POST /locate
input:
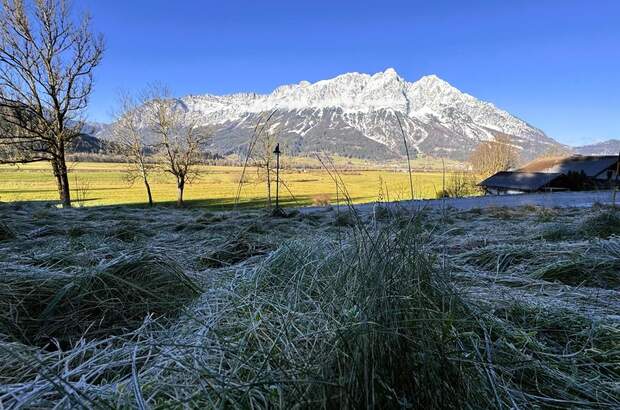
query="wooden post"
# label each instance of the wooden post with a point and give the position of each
(277, 152)
(616, 182)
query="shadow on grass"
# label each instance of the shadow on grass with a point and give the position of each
(214, 204)
(49, 191)
(228, 204)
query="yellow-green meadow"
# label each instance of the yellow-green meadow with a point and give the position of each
(95, 183)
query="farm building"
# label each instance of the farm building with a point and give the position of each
(574, 173)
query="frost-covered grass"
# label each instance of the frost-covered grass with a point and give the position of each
(157, 308)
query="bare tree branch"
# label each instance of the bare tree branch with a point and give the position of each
(131, 141)
(46, 76)
(491, 157)
(179, 143)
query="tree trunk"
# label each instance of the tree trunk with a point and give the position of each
(62, 178)
(181, 187)
(65, 197)
(146, 183)
(148, 191)
(58, 178)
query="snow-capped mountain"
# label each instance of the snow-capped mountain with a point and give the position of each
(356, 115)
(608, 147)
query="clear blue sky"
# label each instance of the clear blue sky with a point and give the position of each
(555, 64)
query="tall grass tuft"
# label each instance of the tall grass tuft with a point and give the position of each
(46, 308)
(237, 249)
(6, 232)
(390, 324)
(602, 224)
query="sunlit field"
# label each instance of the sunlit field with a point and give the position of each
(106, 184)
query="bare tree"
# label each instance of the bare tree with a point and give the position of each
(264, 159)
(46, 77)
(178, 140)
(491, 157)
(131, 141)
(459, 184)
(555, 151)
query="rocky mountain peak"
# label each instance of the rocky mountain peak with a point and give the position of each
(354, 114)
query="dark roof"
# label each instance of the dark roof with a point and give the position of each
(520, 181)
(591, 165)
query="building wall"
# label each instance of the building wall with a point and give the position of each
(502, 191)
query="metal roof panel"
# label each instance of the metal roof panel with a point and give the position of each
(590, 165)
(522, 181)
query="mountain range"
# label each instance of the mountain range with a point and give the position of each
(358, 115)
(608, 147)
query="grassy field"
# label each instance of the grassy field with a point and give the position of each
(105, 184)
(124, 307)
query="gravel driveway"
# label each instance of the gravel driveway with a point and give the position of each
(547, 200)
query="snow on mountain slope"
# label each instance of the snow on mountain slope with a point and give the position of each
(608, 147)
(356, 114)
